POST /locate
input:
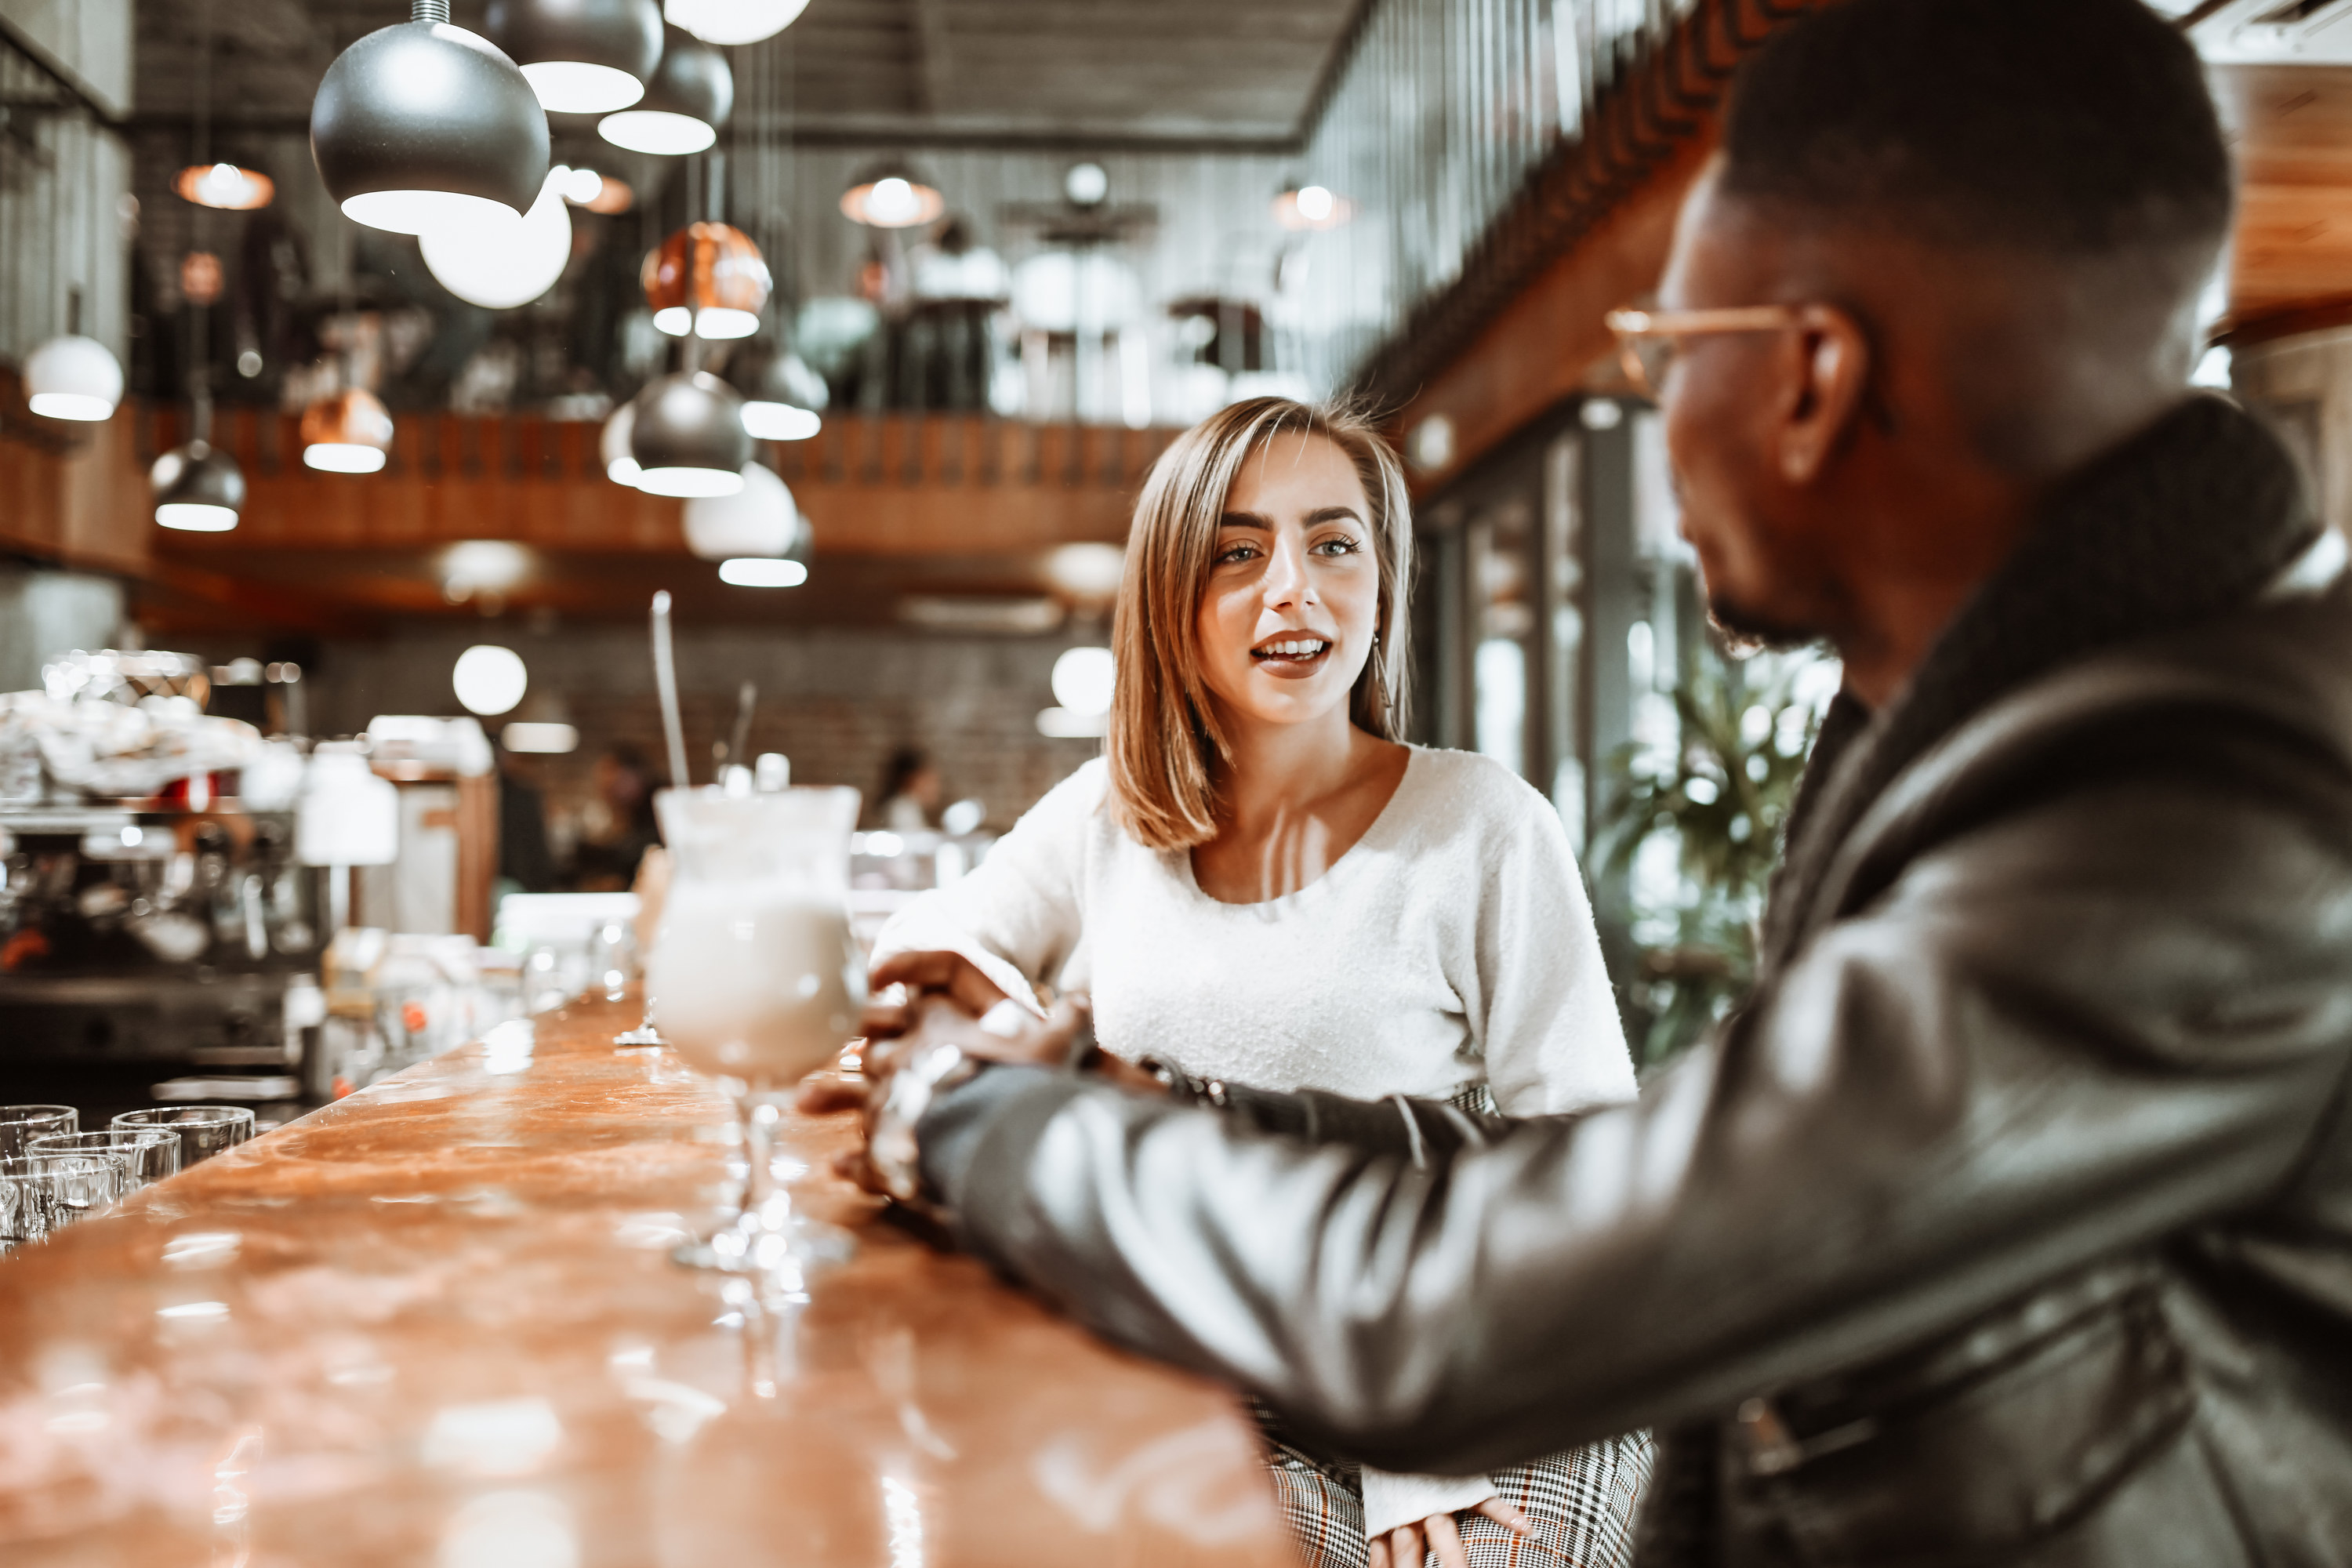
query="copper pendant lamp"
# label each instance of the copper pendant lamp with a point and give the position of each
(349, 433)
(706, 281)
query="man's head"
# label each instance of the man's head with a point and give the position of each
(1995, 218)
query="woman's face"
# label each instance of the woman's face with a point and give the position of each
(1293, 599)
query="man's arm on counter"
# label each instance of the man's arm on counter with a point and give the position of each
(2008, 1068)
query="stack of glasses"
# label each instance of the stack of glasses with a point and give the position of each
(52, 1174)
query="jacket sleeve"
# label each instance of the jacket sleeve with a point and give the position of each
(2059, 1035)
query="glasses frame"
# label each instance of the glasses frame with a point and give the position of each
(1633, 324)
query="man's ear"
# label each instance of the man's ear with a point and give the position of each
(1827, 364)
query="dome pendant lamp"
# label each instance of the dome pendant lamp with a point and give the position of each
(580, 56)
(71, 376)
(734, 21)
(689, 97)
(786, 400)
(349, 433)
(687, 437)
(706, 281)
(198, 487)
(422, 124)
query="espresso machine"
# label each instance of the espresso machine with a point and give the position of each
(159, 938)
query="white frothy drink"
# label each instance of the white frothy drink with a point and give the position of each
(755, 983)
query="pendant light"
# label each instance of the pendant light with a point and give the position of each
(223, 187)
(687, 437)
(71, 376)
(689, 97)
(758, 520)
(613, 445)
(1311, 209)
(349, 433)
(423, 124)
(502, 261)
(890, 194)
(580, 56)
(785, 400)
(198, 487)
(706, 281)
(734, 21)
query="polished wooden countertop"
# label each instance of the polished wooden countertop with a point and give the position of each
(437, 1323)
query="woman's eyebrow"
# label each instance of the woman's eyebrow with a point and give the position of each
(1333, 514)
(1244, 519)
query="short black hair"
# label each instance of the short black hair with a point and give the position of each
(2070, 128)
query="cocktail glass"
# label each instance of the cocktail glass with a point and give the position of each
(147, 1153)
(20, 1124)
(759, 982)
(205, 1131)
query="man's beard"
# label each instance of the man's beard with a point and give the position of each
(1745, 631)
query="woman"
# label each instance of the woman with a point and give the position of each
(1261, 884)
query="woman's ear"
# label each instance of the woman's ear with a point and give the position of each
(1826, 367)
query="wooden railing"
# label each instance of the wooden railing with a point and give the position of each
(889, 485)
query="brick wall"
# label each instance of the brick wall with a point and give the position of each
(837, 703)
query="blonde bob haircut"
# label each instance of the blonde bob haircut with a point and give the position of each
(1165, 747)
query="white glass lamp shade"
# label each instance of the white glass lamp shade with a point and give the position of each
(689, 97)
(1083, 679)
(688, 437)
(73, 377)
(198, 489)
(762, 572)
(423, 124)
(612, 447)
(505, 260)
(580, 56)
(345, 816)
(730, 21)
(489, 680)
(758, 520)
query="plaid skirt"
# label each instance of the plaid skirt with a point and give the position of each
(1582, 1502)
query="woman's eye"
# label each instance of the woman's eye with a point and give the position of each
(1340, 546)
(1233, 552)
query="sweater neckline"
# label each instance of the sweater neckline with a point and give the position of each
(1313, 891)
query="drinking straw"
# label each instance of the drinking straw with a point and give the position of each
(665, 680)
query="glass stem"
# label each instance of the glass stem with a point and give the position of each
(760, 1117)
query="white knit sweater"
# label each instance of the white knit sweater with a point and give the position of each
(1452, 944)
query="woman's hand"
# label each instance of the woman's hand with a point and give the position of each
(1407, 1545)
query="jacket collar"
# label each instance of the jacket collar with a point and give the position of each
(2201, 513)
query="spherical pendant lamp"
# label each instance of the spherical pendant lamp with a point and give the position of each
(73, 377)
(423, 124)
(349, 433)
(734, 21)
(758, 520)
(785, 400)
(687, 437)
(198, 489)
(689, 97)
(706, 281)
(503, 260)
(613, 445)
(580, 56)
(223, 186)
(890, 194)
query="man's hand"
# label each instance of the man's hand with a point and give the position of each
(946, 1000)
(1404, 1547)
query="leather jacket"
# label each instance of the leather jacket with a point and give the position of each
(2009, 1223)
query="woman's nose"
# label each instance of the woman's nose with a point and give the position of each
(1286, 580)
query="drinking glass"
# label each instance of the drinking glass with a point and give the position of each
(148, 1154)
(20, 1124)
(204, 1130)
(759, 982)
(56, 1192)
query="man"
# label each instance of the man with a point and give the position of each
(2010, 1221)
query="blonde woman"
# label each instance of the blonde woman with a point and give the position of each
(1262, 884)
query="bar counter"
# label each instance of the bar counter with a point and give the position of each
(437, 1323)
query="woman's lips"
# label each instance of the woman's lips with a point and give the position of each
(1291, 659)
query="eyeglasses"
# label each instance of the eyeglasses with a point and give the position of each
(1649, 340)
